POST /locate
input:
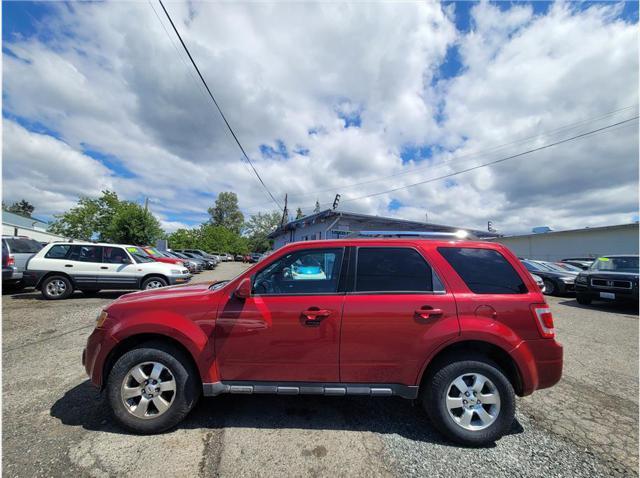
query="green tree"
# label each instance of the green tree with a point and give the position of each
(107, 218)
(299, 214)
(22, 207)
(184, 239)
(226, 212)
(131, 224)
(259, 227)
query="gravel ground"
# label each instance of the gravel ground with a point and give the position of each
(55, 423)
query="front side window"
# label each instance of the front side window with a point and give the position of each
(484, 271)
(115, 255)
(85, 254)
(313, 271)
(397, 269)
(58, 251)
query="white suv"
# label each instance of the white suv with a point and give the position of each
(61, 267)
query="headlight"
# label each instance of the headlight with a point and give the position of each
(568, 280)
(581, 279)
(175, 271)
(102, 316)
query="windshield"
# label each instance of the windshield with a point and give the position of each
(552, 267)
(616, 264)
(152, 251)
(139, 255)
(569, 267)
(533, 266)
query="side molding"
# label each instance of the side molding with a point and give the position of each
(310, 388)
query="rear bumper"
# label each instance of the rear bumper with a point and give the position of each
(10, 274)
(540, 362)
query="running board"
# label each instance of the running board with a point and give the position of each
(311, 388)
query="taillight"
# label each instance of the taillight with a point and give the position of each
(544, 320)
(11, 261)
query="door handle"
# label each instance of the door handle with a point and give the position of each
(68, 265)
(104, 267)
(314, 315)
(428, 312)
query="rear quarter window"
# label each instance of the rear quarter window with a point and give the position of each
(23, 246)
(484, 271)
(58, 252)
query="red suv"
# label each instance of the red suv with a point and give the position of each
(460, 326)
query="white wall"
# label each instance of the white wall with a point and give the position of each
(554, 246)
(37, 234)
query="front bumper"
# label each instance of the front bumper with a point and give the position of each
(181, 279)
(95, 354)
(620, 295)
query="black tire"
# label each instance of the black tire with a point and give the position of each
(434, 401)
(152, 279)
(550, 287)
(48, 289)
(583, 299)
(187, 387)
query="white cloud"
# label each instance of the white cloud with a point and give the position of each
(107, 76)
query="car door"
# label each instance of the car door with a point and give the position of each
(288, 329)
(82, 263)
(397, 312)
(117, 270)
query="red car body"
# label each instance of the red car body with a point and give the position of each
(153, 254)
(369, 338)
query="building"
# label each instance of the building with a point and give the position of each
(332, 224)
(16, 225)
(586, 242)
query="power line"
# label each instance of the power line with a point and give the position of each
(468, 155)
(501, 160)
(217, 106)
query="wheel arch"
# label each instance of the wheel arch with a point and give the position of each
(133, 341)
(54, 273)
(475, 348)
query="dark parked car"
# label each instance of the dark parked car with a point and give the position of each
(10, 274)
(610, 278)
(19, 249)
(557, 281)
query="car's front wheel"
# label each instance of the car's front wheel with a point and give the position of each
(471, 402)
(152, 387)
(550, 287)
(154, 283)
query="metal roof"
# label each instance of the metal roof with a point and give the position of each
(23, 221)
(582, 229)
(378, 222)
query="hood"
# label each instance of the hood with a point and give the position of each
(610, 274)
(172, 292)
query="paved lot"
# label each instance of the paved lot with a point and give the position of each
(55, 423)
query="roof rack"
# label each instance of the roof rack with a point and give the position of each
(461, 234)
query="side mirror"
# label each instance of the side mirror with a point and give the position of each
(244, 289)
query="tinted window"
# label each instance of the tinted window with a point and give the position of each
(314, 271)
(114, 255)
(385, 269)
(23, 246)
(85, 254)
(485, 271)
(58, 252)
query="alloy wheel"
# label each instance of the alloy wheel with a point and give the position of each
(148, 390)
(473, 401)
(56, 287)
(154, 284)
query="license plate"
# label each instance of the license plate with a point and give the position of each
(607, 295)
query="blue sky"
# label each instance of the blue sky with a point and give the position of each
(386, 100)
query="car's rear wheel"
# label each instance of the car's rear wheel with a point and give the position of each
(154, 283)
(152, 388)
(583, 299)
(550, 287)
(56, 288)
(471, 402)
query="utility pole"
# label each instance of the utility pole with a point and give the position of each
(336, 201)
(285, 212)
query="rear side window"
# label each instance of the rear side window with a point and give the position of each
(23, 246)
(485, 271)
(85, 254)
(58, 252)
(387, 269)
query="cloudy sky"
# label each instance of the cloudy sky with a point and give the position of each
(358, 99)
